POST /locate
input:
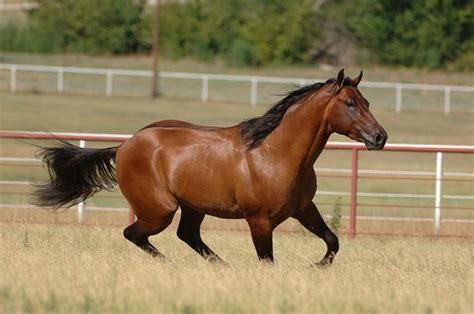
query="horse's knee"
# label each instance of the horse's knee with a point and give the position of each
(189, 238)
(131, 233)
(134, 234)
(185, 235)
(182, 234)
(331, 241)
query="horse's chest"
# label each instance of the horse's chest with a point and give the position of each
(286, 199)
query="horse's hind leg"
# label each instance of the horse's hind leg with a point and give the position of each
(311, 219)
(189, 230)
(139, 231)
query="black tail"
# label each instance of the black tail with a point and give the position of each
(75, 174)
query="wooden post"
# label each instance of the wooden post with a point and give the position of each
(155, 49)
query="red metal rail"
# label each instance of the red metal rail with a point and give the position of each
(331, 145)
(354, 147)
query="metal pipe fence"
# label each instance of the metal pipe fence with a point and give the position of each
(253, 81)
(354, 174)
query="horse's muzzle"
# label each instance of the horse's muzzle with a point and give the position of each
(376, 140)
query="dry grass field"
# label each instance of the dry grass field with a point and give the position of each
(51, 264)
(50, 268)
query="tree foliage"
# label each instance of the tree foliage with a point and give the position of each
(86, 26)
(108, 26)
(422, 33)
(425, 33)
(241, 31)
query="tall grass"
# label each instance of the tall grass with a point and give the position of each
(84, 269)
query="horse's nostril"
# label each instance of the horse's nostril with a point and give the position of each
(379, 138)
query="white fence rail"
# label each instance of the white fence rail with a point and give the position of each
(109, 74)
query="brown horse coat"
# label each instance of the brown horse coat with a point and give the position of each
(260, 170)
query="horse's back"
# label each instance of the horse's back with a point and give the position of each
(179, 140)
(180, 124)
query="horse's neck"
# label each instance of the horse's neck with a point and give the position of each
(302, 134)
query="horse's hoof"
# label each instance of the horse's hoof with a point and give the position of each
(322, 264)
(219, 262)
(216, 260)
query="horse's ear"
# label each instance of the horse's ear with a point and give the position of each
(340, 78)
(357, 80)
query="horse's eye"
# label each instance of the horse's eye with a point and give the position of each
(350, 103)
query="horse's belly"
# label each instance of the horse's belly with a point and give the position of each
(211, 204)
(232, 212)
(209, 195)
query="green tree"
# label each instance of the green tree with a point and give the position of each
(108, 26)
(427, 33)
(241, 31)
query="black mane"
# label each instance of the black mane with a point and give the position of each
(255, 130)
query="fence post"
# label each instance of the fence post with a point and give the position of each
(253, 91)
(398, 99)
(205, 88)
(81, 205)
(60, 80)
(108, 90)
(447, 100)
(437, 213)
(131, 216)
(352, 219)
(13, 79)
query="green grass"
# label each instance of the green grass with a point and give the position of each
(50, 268)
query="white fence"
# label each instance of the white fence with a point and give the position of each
(204, 78)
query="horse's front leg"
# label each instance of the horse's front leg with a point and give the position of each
(262, 236)
(311, 219)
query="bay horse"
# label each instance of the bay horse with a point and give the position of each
(260, 170)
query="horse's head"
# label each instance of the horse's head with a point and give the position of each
(348, 114)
